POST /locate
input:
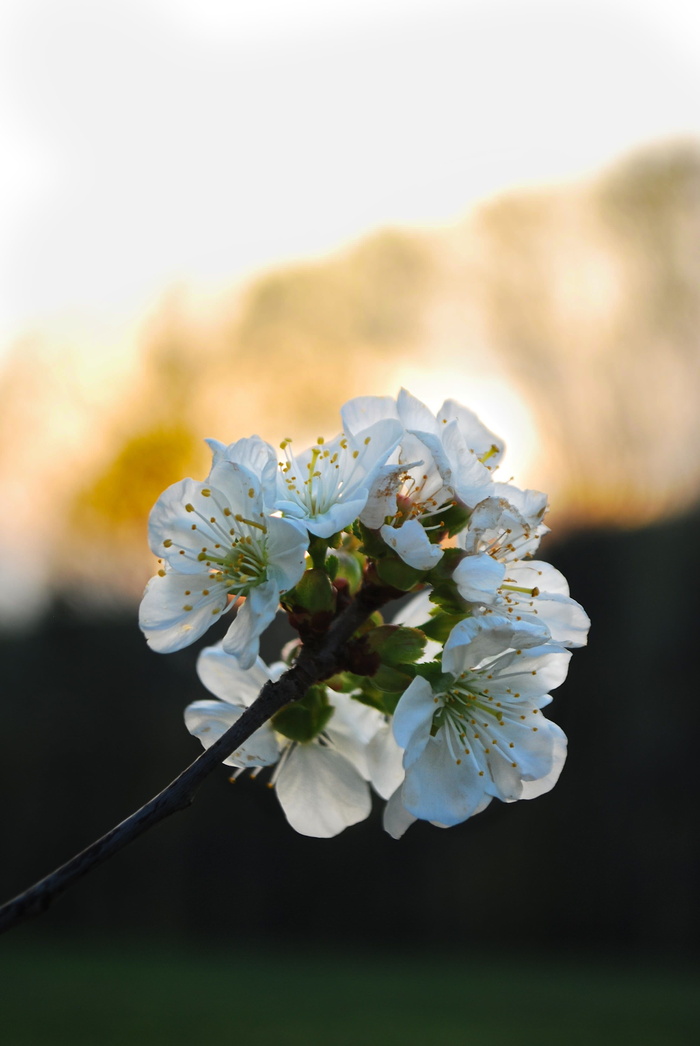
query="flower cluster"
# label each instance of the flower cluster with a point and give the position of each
(440, 710)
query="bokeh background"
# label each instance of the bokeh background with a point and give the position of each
(221, 219)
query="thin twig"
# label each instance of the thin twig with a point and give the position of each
(311, 668)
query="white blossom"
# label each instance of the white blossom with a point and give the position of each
(496, 577)
(323, 784)
(326, 487)
(477, 731)
(440, 462)
(216, 541)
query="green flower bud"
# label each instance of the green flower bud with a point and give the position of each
(396, 644)
(314, 591)
(305, 719)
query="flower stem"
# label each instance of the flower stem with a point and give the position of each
(311, 667)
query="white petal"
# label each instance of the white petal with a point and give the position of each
(218, 450)
(487, 516)
(170, 533)
(536, 753)
(373, 446)
(397, 819)
(243, 637)
(477, 638)
(414, 715)
(470, 478)
(320, 792)
(477, 437)
(531, 504)
(222, 674)
(251, 453)
(565, 619)
(535, 673)
(381, 501)
(438, 789)
(339, 516)
(286, 545)
(385, 762)
(414, 415)
(478, 577)
(416, 612)
(411, 543)
(363, 411)
(209, 720)
(162, 615)
(350, 729)
(237, 488)
(535, 573)
(531, 789)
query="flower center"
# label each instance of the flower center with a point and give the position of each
(468, 720)
(235, 551)
(324, 479)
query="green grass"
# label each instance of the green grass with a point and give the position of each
(91, 996)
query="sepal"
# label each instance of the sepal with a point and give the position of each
(305, 719)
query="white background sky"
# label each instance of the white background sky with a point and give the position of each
(160, 140)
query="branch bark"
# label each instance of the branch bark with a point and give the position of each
(311, 667)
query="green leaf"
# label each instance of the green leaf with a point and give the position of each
(305, 719)
(393, 571)
(372, 542)
(397, 644)
(391, 680)
(440, 626)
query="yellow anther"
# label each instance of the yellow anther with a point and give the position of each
(189, 508)
(187, 607)
(205, 492)
(167, 543)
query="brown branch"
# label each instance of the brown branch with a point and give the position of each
(311, 668)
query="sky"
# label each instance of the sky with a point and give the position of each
(162, 141)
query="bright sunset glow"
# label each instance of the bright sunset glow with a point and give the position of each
(200, 141)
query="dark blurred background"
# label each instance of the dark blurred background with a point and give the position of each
(174, 274)
(606, 860)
